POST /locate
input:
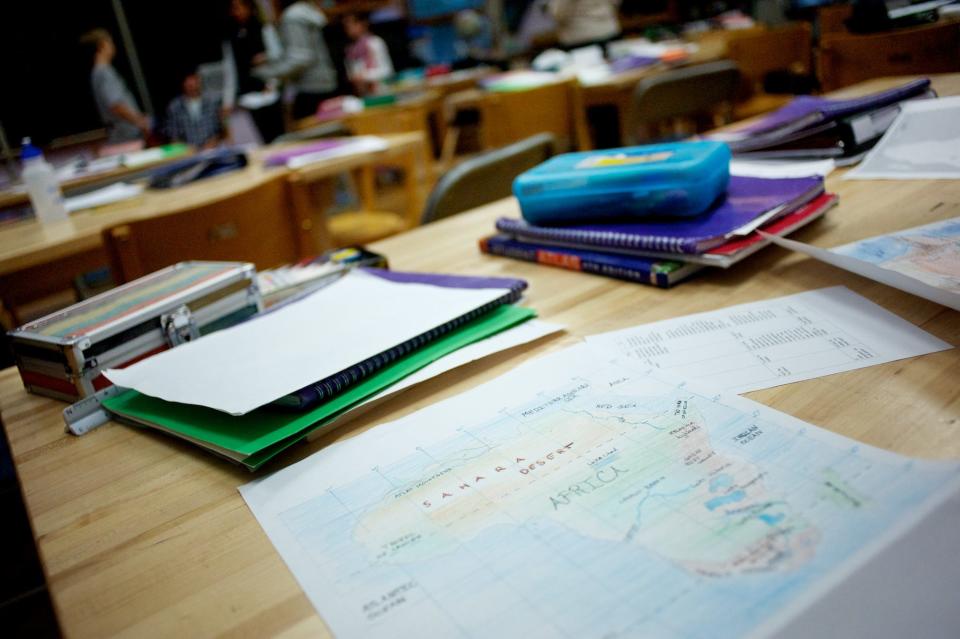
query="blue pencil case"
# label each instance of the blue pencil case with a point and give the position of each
(679, 179)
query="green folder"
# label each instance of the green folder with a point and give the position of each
(258, 436)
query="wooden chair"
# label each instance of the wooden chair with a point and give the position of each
(760, 53)
(486, 178)
(257, 225)
(508, 117)
(844, 58)
(702, 94)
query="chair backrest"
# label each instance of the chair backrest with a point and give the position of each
(696, 90)
(486, 178)
(510, 116)
(256, 225)
(846, 59)
(326, 130)
(758, 53)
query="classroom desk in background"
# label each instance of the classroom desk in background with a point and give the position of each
(617, 90)
(417, 112)
(13, 196)
(141, 534)
(45, 258)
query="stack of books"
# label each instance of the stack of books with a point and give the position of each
(249, 392)
(665, 251)
(815, 127)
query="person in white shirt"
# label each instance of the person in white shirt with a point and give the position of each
(368, 60)
(585, 22)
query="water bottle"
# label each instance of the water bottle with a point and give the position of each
(42, 186)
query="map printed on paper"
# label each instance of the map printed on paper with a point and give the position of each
(577, 497)
(929, 253)
(772, 342)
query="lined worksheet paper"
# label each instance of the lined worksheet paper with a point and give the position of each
(765, 344)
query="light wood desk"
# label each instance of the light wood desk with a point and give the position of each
(39, 257)
(141, 535)
(421, 111)
(617, 90)
(13, 196)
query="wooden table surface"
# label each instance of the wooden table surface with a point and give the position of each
(14, 196)
(141, 534)
(28, 243)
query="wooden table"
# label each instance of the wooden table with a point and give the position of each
(141, 534)
(311, 190)
(617, 90)
(420, 111)
(13, 196)
(39, 256)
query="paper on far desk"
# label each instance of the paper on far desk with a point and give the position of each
(579, 497)
(246, 366)
(350, 146)
(773, 342)
(922, 143)
(923, 261)
(524, 333)
(107, 195)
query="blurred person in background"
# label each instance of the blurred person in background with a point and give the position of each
(581, 23)
(368, 60)
(124, 120)
(305, 62)
(247, 43)
(193, 117)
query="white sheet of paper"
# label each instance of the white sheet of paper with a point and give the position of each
(923, 143)
(578, 497)
(773, 342)
(116, 192)
(512, 337)
(912, 285)
(243, 367)
(353, 146)
(778, 169)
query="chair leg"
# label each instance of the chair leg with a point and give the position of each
(449, 150)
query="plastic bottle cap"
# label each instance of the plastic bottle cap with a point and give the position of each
(29, 152)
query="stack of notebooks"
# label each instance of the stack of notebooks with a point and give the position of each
(249, 392)
(814, 127)
(663, 252)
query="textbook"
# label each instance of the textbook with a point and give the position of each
(660, 273)
(749, 203)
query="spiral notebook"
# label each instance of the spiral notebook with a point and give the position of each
(337, 335)
(749, 203)
(328, 387)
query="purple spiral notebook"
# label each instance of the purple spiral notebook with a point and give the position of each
(324, 389)
(747, 201)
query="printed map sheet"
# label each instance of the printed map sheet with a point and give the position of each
(579, 497)
(923, 261)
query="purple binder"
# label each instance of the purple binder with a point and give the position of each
(807, 110)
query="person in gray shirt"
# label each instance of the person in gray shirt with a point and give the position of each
(118, 110)
(306, 62)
